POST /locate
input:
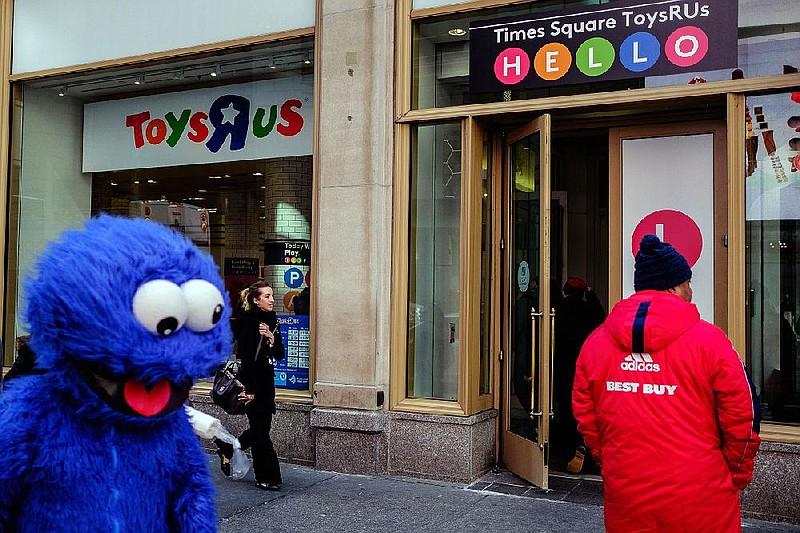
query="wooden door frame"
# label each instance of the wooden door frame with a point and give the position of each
(521, 456)
(720, 190)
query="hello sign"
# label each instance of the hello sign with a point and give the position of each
(605, 42)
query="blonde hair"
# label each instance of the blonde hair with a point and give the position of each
(248, 294)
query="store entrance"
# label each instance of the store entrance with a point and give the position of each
(567, 255)
(556, 185)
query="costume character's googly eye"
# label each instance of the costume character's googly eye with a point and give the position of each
(160, 306)
(205, 304)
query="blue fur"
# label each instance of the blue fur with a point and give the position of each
(70, 460)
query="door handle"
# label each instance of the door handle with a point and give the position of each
(552, 355)
(535, 411)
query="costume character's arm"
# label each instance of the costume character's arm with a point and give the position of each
(193, 503)
(737, 411)
(584, 403)
(16, 453)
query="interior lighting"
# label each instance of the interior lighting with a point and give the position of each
(139, 80)
(214, 73)
(62, 91)
(457, 32)
(307, 58)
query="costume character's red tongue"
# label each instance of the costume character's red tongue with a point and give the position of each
(144, 402)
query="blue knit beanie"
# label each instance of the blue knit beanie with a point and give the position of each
(659, 266)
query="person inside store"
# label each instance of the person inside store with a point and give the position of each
(25, 362)
(259, 342)
(578, 313)
(666, 407)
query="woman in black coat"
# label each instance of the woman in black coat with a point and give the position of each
(259, 342)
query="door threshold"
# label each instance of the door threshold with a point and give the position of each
(575, 488)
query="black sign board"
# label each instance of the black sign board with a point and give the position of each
(626, 39)
(294, 252)
(241, 266)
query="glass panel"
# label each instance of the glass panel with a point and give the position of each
(769, 37)
(772, 184)
(526, 249)
(485, 378)
(441, 59)
(253, 216)
(434, 248)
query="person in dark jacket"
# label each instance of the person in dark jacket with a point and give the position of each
(259, 342)
(25, 363)
(578, 313)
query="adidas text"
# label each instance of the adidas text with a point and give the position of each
(640, 362)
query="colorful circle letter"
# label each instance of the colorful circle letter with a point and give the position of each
(686, 46)
(552, 61)
(639, 51)
(511, 66)
(595, 56)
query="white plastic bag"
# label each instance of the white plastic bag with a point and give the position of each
(204, 425)
(208, 427)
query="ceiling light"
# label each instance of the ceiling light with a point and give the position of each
(258, 174)
(202, 190)
(214, 73)
(152, 181)
(215, 177)
(139, 80)
(271, 63)
(457, 32)
(62, 91)
(307, 58)
(136, 182)
(113, 183)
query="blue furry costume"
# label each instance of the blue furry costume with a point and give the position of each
(125, 315)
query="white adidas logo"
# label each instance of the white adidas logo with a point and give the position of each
(638, 362)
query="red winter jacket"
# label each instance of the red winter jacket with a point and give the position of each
(664, 403)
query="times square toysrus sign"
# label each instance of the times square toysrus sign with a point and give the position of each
(604, 42)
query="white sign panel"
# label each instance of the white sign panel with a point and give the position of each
(52, 34)
(668, 190)
(249, 121)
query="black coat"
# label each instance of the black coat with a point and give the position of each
(257, 373)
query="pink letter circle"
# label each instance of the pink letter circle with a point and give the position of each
(686, 46)
(511, 66)
(678, 229)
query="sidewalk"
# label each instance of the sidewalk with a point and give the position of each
(313, 500)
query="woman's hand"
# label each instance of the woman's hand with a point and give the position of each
(264, 331)
(247, 398)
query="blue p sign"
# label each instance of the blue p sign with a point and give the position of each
(293, 278)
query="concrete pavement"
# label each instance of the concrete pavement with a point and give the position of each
(314, 500)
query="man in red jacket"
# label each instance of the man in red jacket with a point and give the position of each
(665, 405)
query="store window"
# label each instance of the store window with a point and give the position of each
(768, 39)
(434, 262)
(217, 147)
(441, 59)
(772, 183)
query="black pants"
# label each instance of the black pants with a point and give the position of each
(256, 437)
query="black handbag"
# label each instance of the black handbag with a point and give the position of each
(227, 388)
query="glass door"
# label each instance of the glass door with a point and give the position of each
(527, 374)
